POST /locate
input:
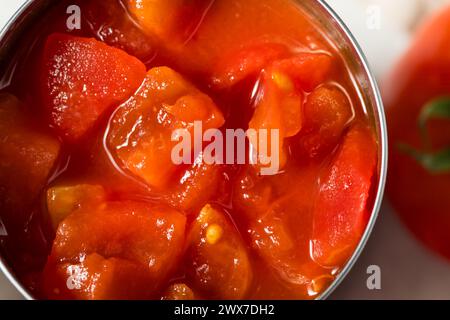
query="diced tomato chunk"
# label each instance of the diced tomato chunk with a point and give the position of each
(149, 237)
(135, 231)
(195, 107)
(82, 78)
(279, 220)
(142, 129)
(278, 107)
(179, 291)
(247, 62)
(307, 69)
(174, 19)
(342, 212)
(327, 113)
(253, 194)
(218, 263)
(283, 242)
(63, 200)
(280, 236)
(196, 186)
(97, 278)
(156, 17)
(26, 160)
(110, 22)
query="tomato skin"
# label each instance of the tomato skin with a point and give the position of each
(130, 240)
(81, 78)
(423, 74)
(342, 209)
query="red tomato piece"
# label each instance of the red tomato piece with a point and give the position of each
(277, 239)
(278, 107)
(97, 278)
(177, 19)
(149, 237)
(110, 23)
(82, 78)
(307, 69)
(63, 200)
(280, 228)
(142, 129)
(327, 113)
(196, 187)
(26, 160)
(132, 230)
(156, 17)
(342, 209)
(253, 194)
(249, 61)
(218, 261)
(179, 291)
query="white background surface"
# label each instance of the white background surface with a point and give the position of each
(408, 270)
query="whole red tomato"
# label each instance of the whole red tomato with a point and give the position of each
(417, 99)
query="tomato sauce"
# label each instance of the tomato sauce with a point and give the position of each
(93, 206)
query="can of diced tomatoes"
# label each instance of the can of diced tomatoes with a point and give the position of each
(329, 25)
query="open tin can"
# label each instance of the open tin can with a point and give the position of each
(329, 23)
